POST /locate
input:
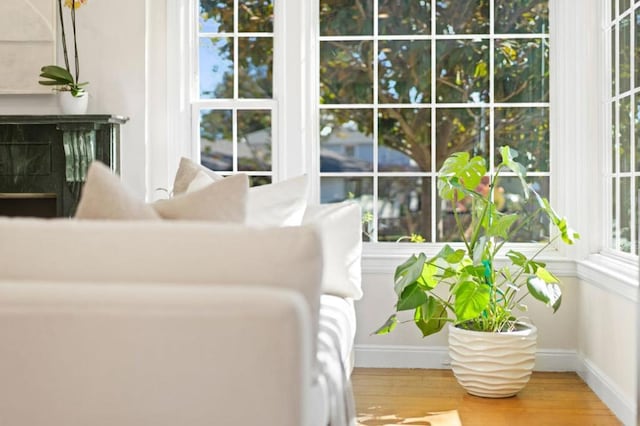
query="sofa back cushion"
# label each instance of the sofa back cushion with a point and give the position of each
(163, 252)
(339, 226)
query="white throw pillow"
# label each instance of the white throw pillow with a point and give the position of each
(104, 196)
(339, 226)
(187, 171)
(222, 201)
(276, 204)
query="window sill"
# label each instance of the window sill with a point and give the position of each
(615, 275)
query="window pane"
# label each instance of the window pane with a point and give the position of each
(254, 140)
(624, 147)
(614, 133)
(358, 189)
(346, 140)
(255, 67)
(527, 131)
(624, 5)
(510, 190)
(637, 54)
(216, 16)
(625, 214)
(404, 140)
(613, 62)
(346, 17)
(637, 130)
(255, 16)
(404, 207)
(216, 68)
(624, 74)
(346, 72)
(462, 129)
(216, 140)
(462, 71)
(614, 210)
(404, 17)
(462, 17)
(636, 211)
(522, 70)
(404, 71)
(522, 16)
(259, 180)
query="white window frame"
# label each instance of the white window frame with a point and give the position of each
(575, 119)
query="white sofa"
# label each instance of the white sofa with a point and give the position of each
(174, 323)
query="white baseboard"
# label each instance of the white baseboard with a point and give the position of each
(400, 356)
(608, 392)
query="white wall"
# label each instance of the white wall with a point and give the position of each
(607, 335)
(111, 44)
(405, 346)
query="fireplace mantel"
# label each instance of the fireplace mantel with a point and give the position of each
(41, 155)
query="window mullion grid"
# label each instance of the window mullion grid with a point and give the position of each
(632, 184)
(491, 86)
(434, 198)
(375, 121)
(235, 52)
(616, 148)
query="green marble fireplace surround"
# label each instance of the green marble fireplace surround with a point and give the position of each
(44, 160)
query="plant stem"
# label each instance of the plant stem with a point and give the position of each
(75, 42)
(64, 37)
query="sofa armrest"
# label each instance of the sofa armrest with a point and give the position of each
(162, 354)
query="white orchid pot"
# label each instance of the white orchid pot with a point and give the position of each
(493, 365)
(70, 104)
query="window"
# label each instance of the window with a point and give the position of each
(233, 103)
(400, 86)
(404, 84)
(623, 33)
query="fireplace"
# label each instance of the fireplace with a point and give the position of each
(28, 204)
(44, 159)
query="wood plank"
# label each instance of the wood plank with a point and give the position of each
(409, 396)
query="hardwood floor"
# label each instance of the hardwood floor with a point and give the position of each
(401, 396)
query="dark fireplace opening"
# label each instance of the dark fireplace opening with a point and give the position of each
(28, 204)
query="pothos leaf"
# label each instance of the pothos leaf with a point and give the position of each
(462, 170)
(508, 160)
(408, 272)
(388, 326)
(412, 297)
(430, 317)
(471, 299)
(548, 293)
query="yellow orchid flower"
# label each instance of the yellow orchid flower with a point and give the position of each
(78, 3)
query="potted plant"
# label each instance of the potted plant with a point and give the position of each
(73, 97)
(492, 349)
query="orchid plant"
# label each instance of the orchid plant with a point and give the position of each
(62, 78)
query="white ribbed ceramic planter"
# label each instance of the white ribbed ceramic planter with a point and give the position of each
(70, 104)
(492, 365)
